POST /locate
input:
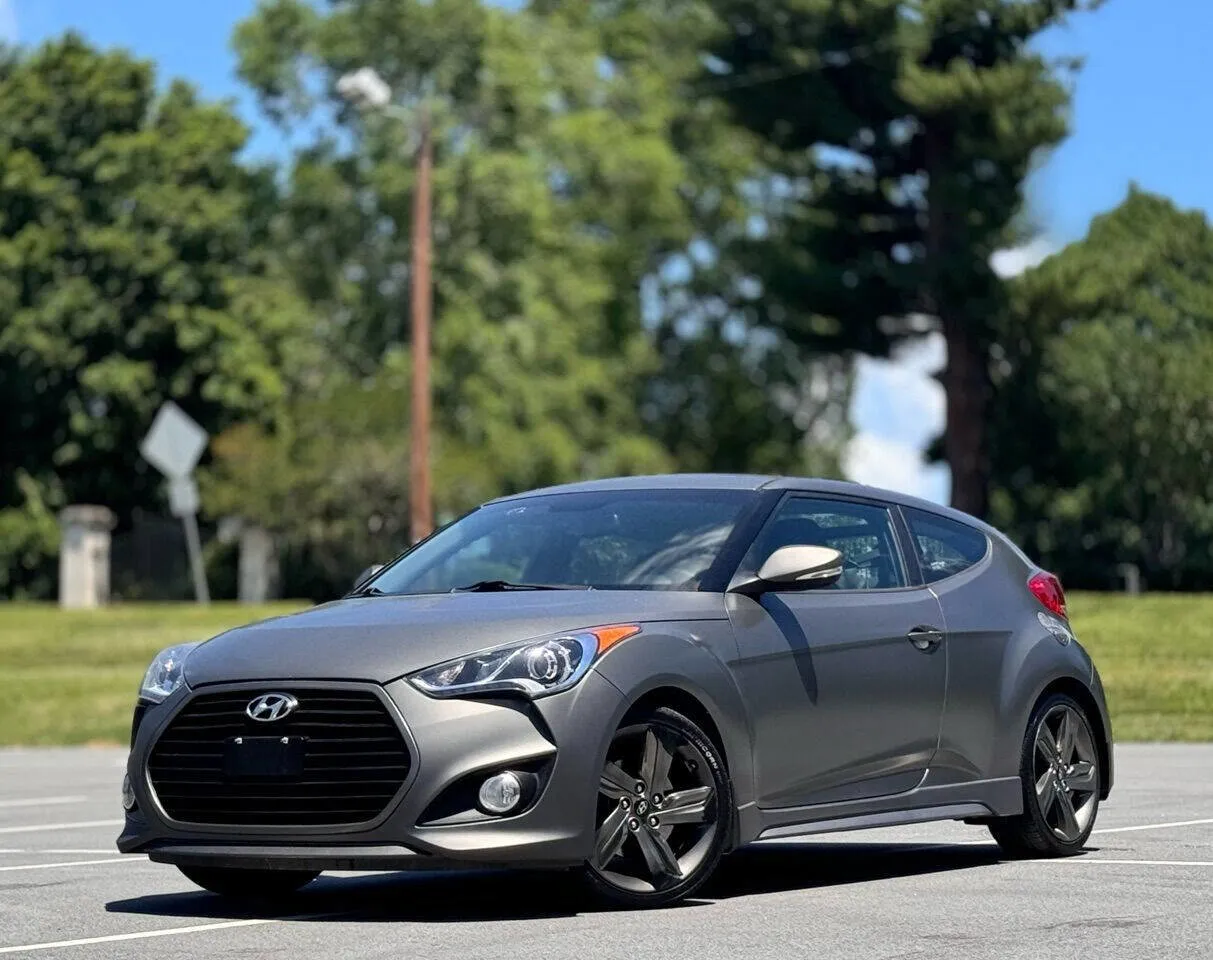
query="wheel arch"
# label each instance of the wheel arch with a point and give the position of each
(694, 707)
(677, 668)
(1081, 693)
(686, 703)
(683, 666)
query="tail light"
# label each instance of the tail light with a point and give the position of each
(1047, 589)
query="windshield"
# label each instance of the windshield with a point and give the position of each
(620, 540)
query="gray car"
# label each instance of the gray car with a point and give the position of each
(630, 678)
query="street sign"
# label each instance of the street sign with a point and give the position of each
(175, 442)
(173, 446)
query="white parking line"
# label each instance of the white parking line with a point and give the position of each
(1155, 826)
(68, 863)
(80, 825)
(40, 802)
(981, 841)
(167, 932)
(1136, 863)
(59, 850)
(117, 937)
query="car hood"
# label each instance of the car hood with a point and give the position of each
(382, 638)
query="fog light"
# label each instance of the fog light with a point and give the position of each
(500, 793)
(128, 794)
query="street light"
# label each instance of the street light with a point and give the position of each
(367, 90)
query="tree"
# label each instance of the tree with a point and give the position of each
(326, 484)
(562, 199)
(733, 391)
(899, 136)
(535, 364)
(132, 270)
(1103, 418)
(29, 536)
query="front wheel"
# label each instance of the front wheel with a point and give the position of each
(664, 808)
(1059, 770)
(238, 884)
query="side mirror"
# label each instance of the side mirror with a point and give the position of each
(795, 567)
(366, 575)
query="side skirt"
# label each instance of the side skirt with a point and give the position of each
(975, 799)
(895, 818)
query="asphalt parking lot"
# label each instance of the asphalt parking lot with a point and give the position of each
(938, 890)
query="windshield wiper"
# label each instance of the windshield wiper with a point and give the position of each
(367, 591)
(500, 586)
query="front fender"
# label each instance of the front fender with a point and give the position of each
(689, 658)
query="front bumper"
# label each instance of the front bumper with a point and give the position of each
(565, 736)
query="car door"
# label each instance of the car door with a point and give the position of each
(845, 683)
(981, 600)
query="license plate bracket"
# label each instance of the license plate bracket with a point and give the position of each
(263, 758)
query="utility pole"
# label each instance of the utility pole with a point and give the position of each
(421, 503)
(366, 89)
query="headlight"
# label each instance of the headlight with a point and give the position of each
(166, 673)
(534, 668)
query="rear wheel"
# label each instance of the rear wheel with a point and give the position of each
(238, 884)
(664, 802)
(1059, 770)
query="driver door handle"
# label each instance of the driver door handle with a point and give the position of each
(925, 639)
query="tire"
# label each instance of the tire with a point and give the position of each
(1060, 776)
(249, 885)
(651, 861)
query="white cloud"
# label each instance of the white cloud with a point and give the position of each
(880, 462)
(897, 409)
(899, 399)
(1013, 262)
(8, 21)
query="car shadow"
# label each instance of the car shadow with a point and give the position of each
(521, 895)
(798, 641)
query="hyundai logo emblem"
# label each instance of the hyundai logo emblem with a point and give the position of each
(271, 706)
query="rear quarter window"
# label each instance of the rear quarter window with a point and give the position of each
(945, 547)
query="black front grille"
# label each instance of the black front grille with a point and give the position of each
(355, 761)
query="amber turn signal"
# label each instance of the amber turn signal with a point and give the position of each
(609, 636)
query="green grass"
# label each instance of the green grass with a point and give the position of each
(1155, 655)
(70, 677)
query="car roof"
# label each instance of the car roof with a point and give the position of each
(746, 481)
(663, 481)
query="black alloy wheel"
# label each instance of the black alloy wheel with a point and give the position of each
(1060, 775)
(663, 811)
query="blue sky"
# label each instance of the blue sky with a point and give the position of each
(1138, 116)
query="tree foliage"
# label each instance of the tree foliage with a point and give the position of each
(132, 270)
(1104, 417)
(662, 230)
(899, 134)
(562, 199)
(734, 391)
(537, 170)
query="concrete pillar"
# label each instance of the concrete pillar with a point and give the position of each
(258, 565)
(84, 556)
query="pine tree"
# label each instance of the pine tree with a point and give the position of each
(900, 135)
